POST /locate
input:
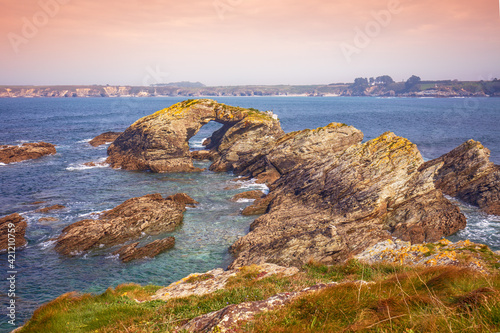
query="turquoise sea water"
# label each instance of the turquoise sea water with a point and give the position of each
(435, 125)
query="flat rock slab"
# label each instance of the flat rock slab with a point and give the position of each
(48, 209)
(442, 253)
(206, 283)
(27, 151)
(132, 252)
(104, 138)
(230, 318)
(147, 215)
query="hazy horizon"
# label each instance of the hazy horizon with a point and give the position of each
(242, 42)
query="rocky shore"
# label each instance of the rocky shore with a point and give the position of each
(332, 198)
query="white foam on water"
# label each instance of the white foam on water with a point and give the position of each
(113, 257)
(245, 200)
(197, 143)
(251, 184)
(93, 215)
(85, 140)
(2, 164)
(81, 166)
(47, 244)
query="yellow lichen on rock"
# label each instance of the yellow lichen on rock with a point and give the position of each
(462, 253)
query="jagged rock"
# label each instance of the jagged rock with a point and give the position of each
(335, 206)
(104, 138)
(467, 173)
(150, 215)
(28, 151)
(251, 195)
(259, 206)
(132, 252)
(48, 209)
(246, 142)
(183, 199)
(297, 148)
(19, 228)
(231, 317)
(159, 142)
(216, 279)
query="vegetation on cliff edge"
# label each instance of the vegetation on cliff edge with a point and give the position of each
(400, 299)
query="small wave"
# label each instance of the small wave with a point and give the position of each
(113, 257)
(101, 163)
(197, 143)
(93, 215)
(251, 184)
(85, 140)
(245, 200)
(47, 244)
(2, 164)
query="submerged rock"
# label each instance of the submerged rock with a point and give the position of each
(329, 208)
(48, 209)
(248, 195)
(159, 142)
(467, 173)
(104, 138)
(147, 215)
(183, 199)
(13, 228)
(28, 151)
(132, 252)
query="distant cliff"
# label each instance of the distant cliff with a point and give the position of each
(361, 87)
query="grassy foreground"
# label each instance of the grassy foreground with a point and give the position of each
(400, 299)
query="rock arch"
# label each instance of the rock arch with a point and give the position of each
(159, 142)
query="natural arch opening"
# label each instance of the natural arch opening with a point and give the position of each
(205, 132)
(164, 141)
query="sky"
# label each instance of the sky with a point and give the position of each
(240, 42)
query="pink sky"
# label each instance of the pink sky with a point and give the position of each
(134, 42)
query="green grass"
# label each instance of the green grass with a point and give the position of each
(439, 299)
(401, 299)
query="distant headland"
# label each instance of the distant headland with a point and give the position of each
(382, 86)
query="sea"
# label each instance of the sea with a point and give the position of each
(435, 125)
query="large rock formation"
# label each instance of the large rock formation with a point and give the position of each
(297, 148)
(149, 215)
(159, 142)
(467, 173)
(27, 151)
(353, 197)
(12, 231)
(104, 138)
